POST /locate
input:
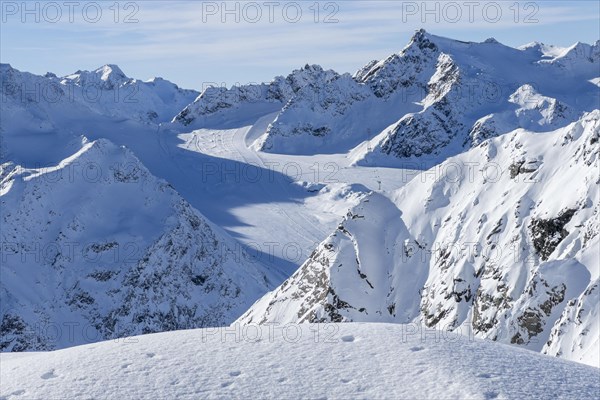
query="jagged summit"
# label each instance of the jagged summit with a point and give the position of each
(104, 72)
(312, 67)
(214, 102)
(420, 34)
(422, 40)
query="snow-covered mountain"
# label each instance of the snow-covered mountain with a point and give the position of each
(338, 114)
(156, 100)
(106, 91)
(434, 99)
(218, 106)
(335, 361)
(97, 248)
(502, 240)
(478, 90)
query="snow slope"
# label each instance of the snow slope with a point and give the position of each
(374, 361)
(96, 248)
(503, 239)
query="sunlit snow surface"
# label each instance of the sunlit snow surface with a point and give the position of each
(334, 361)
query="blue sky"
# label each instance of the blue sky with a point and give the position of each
(199, 43)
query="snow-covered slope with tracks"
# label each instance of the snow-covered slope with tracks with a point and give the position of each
(339, 361)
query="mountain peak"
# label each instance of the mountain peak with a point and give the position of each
(313, 67)
(107, 76)
(420, 34)
(110, 72)
(422, 40)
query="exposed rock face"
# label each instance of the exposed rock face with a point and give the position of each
(317, 293)
(523, 167)
(409, 68)
(547, 234)
(507, 246)
(16, 335)
(330, 99)
(217, 99)
(573, 335)
(433, 128)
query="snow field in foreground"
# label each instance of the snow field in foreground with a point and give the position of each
(330, 361)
